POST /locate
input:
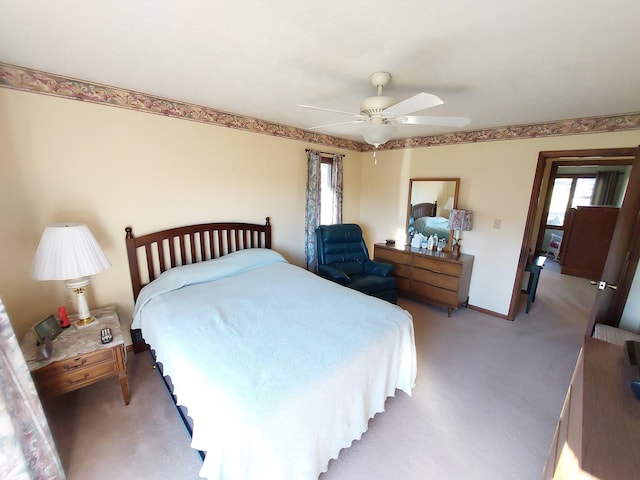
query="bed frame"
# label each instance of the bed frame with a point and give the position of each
(424, 209)
(150, 255)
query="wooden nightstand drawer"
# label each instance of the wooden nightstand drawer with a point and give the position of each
(438, 266)
(76, 379)
(64, 367)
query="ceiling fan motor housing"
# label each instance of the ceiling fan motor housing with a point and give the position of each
(376, 105)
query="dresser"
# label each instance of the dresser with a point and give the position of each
(435, 277)
(598, 434)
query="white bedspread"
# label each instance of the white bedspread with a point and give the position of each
(279, 368)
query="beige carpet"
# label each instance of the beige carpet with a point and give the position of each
(488, 396)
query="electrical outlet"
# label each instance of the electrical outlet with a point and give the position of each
(497, 223)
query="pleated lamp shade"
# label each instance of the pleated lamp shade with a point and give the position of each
(68, 251)
(461, 220)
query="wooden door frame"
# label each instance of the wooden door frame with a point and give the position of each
(553, 174)
(534, 204)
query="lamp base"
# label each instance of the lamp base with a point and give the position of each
(86, 321)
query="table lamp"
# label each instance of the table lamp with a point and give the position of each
(70, 252)
(459, 220)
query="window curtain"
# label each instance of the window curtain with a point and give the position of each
(314, 190)
(604, 190)
(312, 213)
(336, 182)
(28, 450)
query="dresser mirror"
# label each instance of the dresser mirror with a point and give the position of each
(430, 203)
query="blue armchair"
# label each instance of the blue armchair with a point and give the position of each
(343, 258)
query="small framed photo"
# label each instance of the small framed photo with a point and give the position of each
(48, 328)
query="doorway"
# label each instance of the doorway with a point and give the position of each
(591, 189)
(537, 204)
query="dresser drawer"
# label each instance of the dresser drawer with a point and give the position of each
(435, 294)
(73, 364)
(437, 279)
(403, 284)
(392, 256)
(76, 379)
(401, 271)
(437, 265)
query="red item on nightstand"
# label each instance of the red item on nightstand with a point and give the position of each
(64, 320)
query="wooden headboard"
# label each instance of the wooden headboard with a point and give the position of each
(152, 254)
(424, 209)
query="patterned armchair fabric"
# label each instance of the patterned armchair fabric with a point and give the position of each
(27, 450)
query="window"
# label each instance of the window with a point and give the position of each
(569, 192)
(326, 191)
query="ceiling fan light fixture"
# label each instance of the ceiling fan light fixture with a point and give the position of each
(377, 134)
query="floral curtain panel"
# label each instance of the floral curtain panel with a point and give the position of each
(314, 191)
(336, 181)
(312, 214)
(27, 450)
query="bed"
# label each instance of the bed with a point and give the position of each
(423, 219)
(279, 368)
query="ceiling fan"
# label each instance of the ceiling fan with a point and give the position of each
(380, 115)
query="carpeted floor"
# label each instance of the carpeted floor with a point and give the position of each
(485, 406)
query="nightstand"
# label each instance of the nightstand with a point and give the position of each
(78, 358)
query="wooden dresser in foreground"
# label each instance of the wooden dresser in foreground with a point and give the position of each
(435, 277)
(598, 434)
(79, 359)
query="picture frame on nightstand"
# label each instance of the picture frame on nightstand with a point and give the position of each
(48, 328)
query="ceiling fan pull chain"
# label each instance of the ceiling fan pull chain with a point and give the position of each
(375, 159)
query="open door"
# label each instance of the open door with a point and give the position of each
(622, 261)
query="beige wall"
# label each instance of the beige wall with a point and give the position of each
(496, 179)
(64, 160)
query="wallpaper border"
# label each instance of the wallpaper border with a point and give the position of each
(35, 81)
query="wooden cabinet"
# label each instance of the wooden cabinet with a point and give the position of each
(597, 435)
(435, 277)
(68, 375)
(586, 242)
(79, 359)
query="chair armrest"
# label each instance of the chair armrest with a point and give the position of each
(333, 273)
(382, 269)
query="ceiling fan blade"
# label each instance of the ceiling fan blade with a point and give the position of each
(365, 120)
(437, 121)
(413, 104)
(331, 110)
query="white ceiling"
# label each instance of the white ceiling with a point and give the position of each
(498, 62)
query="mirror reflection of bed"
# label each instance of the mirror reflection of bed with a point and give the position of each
(430, 203)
